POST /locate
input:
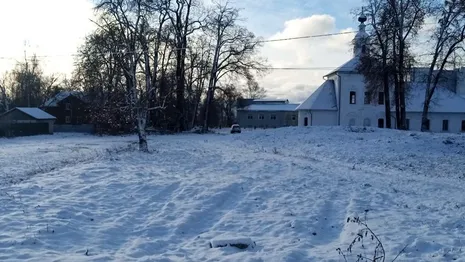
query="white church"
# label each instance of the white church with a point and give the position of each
(340, 100)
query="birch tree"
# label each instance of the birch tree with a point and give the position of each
(448, 38)
(127, 18)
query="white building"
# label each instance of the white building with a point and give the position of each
(340, 100)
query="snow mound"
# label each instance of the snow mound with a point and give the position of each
(239, 242)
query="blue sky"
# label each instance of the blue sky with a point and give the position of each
(56, 28)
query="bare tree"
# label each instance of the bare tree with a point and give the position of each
(4, 97)
(448, 38)
(374, 64)
(234, 50)
(253, 89)
(127, 19)
(407, 18)
(183, 25)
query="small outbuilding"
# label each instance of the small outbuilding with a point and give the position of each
(26, 121)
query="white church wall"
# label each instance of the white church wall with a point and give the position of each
(356, 114)
(318, 118)
(436, 122)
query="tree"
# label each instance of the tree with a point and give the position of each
(448, 38)
(374, 64)
(234, 50)
(407, 18)
(4, 96)
(124, 21)
(183, 25)
(253, 89)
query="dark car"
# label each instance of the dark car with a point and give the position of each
(235, 129)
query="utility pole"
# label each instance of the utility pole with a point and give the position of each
(25, 76)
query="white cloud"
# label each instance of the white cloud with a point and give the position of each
(324, 52)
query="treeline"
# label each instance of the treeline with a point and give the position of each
(170, 65)
(388, 59)
(167, 64)
(27, 86)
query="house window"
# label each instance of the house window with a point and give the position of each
(352, 98)
(352, 122)
(250, 117)
(463, 125)
(306, 121)
(68, 119)
(367, 98)
(427, 124)
(445, 125)
(407, 124)
(261, 116)
(68, 106)
(381, 98)
(381, 123)
(366, 122)
(293, 117)
(273, 117)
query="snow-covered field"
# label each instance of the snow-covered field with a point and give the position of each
(290, 191)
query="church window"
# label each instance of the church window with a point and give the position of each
(366, 122)
(353, 100)
(381, 123)
(381, 98)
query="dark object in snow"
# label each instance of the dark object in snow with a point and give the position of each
(314, 233)
(447, 142)
(241, 243)
(366, 185)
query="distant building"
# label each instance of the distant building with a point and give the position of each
(71, 111)
(265, 113)
(343, 100)
(26, 121)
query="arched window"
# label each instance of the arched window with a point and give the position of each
(306, 121)
(352, 122)
(366, 122)
(381, 123)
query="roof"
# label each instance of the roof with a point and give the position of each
(52, 102)
(270, 107)
(348, 67)
(33, 112)
(324, 98)
(443, 101)
(271, 100)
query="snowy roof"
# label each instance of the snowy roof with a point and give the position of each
(324, 98)
(348, 67)
(35, 113)
(270, 107)
(52, 102)
(272, 100)
(443, 101)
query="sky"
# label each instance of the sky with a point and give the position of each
(54, 29)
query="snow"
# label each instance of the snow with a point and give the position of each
(271, 107)
(348, 67)
(290, 190)
(225, 241)
(443, 101)
(53, 102)
(324, 98)
(36, 113)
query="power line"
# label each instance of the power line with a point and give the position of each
(306, 37)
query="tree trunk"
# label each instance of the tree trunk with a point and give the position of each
(141, 124)
(387, 95)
